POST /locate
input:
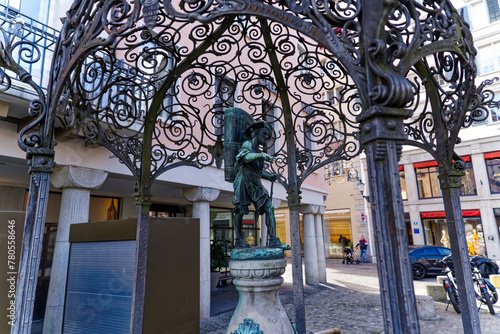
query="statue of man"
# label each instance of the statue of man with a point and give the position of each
(248, 188)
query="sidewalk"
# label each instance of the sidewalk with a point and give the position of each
(350, 300)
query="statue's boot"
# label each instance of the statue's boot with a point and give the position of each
(276, 243)
(239, 243)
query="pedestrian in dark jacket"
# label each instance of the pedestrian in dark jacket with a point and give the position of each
(362, 246)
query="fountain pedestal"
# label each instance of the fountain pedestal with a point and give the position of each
(257, 273)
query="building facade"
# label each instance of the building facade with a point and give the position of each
(347, 210)
(180, 192)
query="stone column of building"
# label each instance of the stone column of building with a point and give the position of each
(412, 194)
(327, 241)
(263, 227)
(201, 198)
(310, 250)
(490, 230)
(76, 184)
(320, 243)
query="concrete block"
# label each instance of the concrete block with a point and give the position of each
(495, 280)
(436, 291)
(440, 279)
(425, 307)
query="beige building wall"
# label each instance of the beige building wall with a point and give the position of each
(345, 214)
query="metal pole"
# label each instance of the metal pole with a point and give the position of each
(296, 244)
(380, 137)
(143, 202)
(450, 186)
(42, 161)
(141, 257)
(292, 186)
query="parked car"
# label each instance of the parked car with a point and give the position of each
(425, 261)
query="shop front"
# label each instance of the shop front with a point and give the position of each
(436, 231)
(222, 228)
(338, 222)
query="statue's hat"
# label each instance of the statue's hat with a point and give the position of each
(257, 125)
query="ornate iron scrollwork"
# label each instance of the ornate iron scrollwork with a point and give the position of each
(149, 80)
(128, 73)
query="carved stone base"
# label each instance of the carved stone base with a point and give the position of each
(257, 273)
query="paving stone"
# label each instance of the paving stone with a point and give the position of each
(350, 301)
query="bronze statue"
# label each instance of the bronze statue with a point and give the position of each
(248, 188)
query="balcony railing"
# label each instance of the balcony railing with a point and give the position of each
(39, 38)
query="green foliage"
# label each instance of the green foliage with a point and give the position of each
(218, 256)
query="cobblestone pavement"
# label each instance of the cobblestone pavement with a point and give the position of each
(350, 300)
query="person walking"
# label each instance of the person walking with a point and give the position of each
(362, 246)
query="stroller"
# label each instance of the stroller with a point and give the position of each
(349, 256)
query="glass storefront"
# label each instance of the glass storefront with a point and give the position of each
(281, 227)
(339, 224)
(221, 223)
(475, 236)
(436, 232)
(408, 228)
(496, 212)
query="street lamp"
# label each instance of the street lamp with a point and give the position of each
(361, 188)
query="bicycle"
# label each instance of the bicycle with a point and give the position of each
(450, 286)
(484, 290)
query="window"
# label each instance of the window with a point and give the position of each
(35, 9)
(402, 181)
(307, 137)
(337, 131)
(281, 227)
(464, 12)
(496, 212)
(493, 10)
(269, 114)
(492, 160)
(428, 182)
(487, 59)
(167, 64)
(495, 114)
(224, 98)
(444, 251)
(306, 63)
(221, 227)
(338, 168)
(436, 232)
(338, 232)
(328, 96)
(468, 181)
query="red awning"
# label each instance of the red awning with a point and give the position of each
(441, 214)
(401, 167)
(433, 163)
(492, 155)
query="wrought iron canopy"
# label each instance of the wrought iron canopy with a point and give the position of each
(150, 79)
(160, 73)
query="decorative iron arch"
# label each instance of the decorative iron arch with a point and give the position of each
(140, 79)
